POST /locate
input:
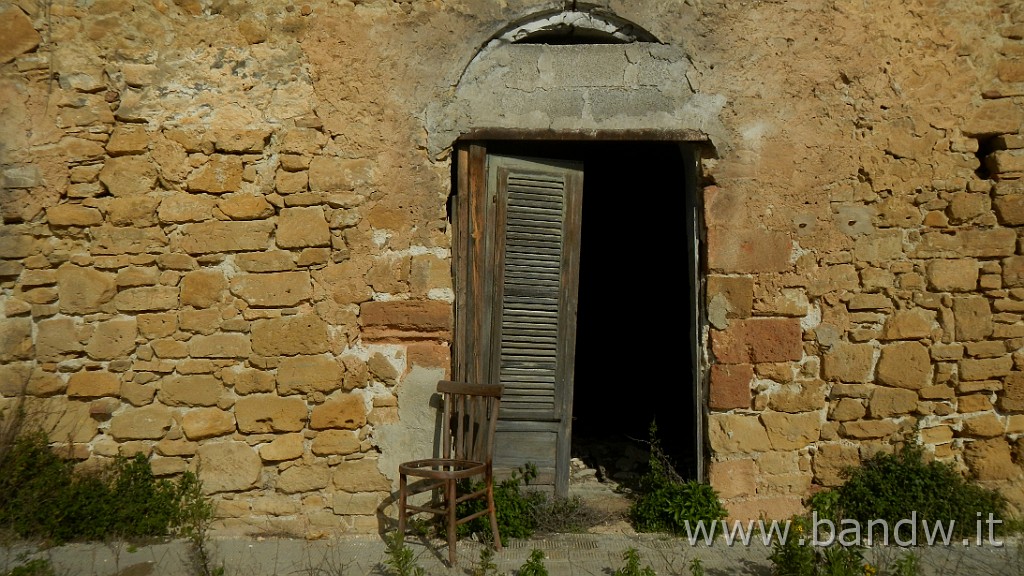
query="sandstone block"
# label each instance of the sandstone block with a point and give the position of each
(302, 141)
(960, 275)
(345, 282)
(202, 423)
(730, 386)
(220, 346)
(1005, 161)
(93, 384)
(791, 431)
(1010, 209)
(991, 460)
(270, 261)
(240, 141)
(73, 215)
(15, 339)
(192, 390)
(849, 362)
(133, 276)
(1013, 272)
(973, 316)
(974, 403)
(128, 176)
(346, 412)
(800, 396)
(147, 299)
(737, 434)
(848, 409)
(179, 447)
(247, 381)
(285, 447)
(83, 290)
(212, 237)
(264, 413)
(757, 340)
(770, 508)
(159, 325)
(831, 460)
(302, 227)
(328, 174)
(146, 423)
(223, 173)
(993, 117)
(362, 475)
(365, 503)
(203, 288)
(747, 251)
(275, 506)
(335, 442)
(904, 365)
(734, 478)
(864, 429)
(128, 139)
(113, 339)
(1012, 398)
(273, 289)
(291, 182)
(183, 207)
(228, 467)
(55, 338)
(909, 324)
(888, 402)
(291, 335)
(307, 374)
(17, 35)
(984, 369)
(983, 426)
(246, 207)
(304, 478)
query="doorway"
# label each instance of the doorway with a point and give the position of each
(636, 324)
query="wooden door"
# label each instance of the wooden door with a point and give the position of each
(517, 257)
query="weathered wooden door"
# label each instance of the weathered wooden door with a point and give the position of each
(517, 257)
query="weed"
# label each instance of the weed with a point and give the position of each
(37, 567)
(632, 567)
(515, 508)
(908, 565)
(892, 487)
(534, 565)
(665, 502)
(486, 565)
(400, 561)
(696, 567)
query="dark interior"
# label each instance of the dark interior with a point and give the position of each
(634, 321)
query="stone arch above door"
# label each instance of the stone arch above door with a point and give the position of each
(618, 79)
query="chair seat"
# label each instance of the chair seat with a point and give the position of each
(442, 468)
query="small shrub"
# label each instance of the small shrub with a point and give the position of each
(632, 567)
(400, 561)
(892, 487)
(534, 565)
(696, 567)
(516, 508)
(665, 502)
(797, 555)
(486, 565)
(37, 567)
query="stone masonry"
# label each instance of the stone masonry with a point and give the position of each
(225, 244)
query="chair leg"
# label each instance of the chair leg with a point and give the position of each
(450, 509)
(402, 481)
(492, 511)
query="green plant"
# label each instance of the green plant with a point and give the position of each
(486, 565)
(907, 565)
(893, 487)
(632, 567)
(516, 507)
(799, 555)
(665, 502)
(36, 567)
(696, 567)
(534, 565)
(400, 561)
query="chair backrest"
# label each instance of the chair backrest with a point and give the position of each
(469, 420)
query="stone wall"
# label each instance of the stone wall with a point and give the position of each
(225, 242)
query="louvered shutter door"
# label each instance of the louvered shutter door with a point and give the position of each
(537, 205)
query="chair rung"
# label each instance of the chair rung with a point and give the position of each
(472, 516)
(474, 495)
(424, 509)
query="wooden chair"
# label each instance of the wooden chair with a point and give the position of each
(468, 423)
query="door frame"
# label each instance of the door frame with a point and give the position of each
(470, 244)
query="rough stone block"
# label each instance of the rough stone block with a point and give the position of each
(273, 289)
(849, 362)
(220, 346)
(203, 288)
(192, 390)
(997, 116)
(302, 228)
(304, 478)
(362, 475)
(285, 447)
(991, 460)
(128, 176)
(307, 374)
(757, 340)
(406, 318)
(361, 503)
(745, 251)
(73, 215)
(983, 426)
(960, 275)
(771, 508)
(864, 429)
(1012, 398)
(184, 207)
(223, 173)
(800, 396)
(329, 174)
(93, 384)
(830, 460)
(973, 316)
(985, 369)
(909, 324)
(83, 290)
(335, 442)
(240, 141)
(888, 402)
(792, 431)
(17, 35)
(346, 412)
(730, 386)
(146, 423)
(345, 282)
(737, 434)
(904, 365)
(246, 207)
(734, 478)
(264, 413)
(848, 409)
(228, 467)
(202, 423)
(288, 336)
(113, 339)
(213, 237)
(246, 381)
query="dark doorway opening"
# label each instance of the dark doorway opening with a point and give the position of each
(637, 303)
